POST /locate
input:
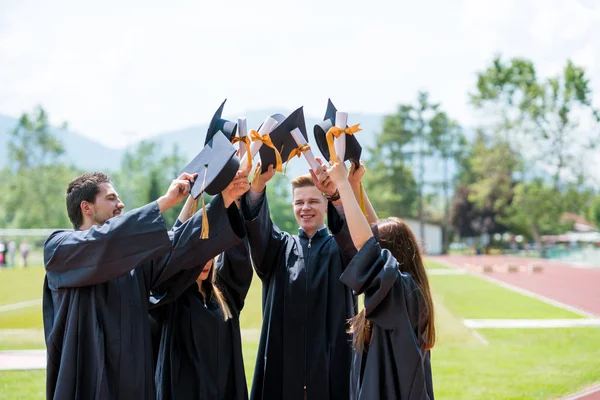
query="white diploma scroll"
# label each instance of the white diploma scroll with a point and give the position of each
(341, 120)
(310, 157)
(242, 132)
(266, 127)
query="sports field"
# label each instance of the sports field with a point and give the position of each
(486, 363)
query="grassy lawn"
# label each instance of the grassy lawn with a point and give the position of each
(23, 385)
(430, 264)
(472, 298)
(21, 284)
(516, 364)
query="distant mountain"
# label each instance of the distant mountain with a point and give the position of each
(90, 155)
(80, 151)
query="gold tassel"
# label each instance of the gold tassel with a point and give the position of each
(205, 226)
(256, 175)
(362, 199)
(193, 208)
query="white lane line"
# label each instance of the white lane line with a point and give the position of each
(23, 304)
(531, 323)
(584, 393)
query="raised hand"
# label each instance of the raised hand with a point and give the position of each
(356, 175)
(236, 188)
(322, 180)
(177, 191)
(338, 173)
(259, 184)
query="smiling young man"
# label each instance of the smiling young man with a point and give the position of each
(304, 351)
(98, 280)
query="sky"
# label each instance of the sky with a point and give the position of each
(122, 71)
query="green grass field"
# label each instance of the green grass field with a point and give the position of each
(514, 364)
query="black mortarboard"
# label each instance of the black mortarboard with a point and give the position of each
(282, 139)
(216, 166)
(228, 128)
(353, 148)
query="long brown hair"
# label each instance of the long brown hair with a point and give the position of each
(396, 236)
(216, 292)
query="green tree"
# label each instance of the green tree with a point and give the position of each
(545, 114)
(34, 182)
(536, 208)
(448, 141)
(408, 137)
(486, 189)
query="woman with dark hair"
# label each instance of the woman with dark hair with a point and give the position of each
(395, 331)
(199, 353)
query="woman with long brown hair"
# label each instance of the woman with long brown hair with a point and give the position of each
(395, 331)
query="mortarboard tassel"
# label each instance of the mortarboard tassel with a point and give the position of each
(362, 199)
(193, 208)
(256, 175)
(205, 226)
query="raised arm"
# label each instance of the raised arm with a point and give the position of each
(335, 212)
(355, 178)
(359, 227)
(189, 250)
(264, 237)
(185, 213)
(102, 253)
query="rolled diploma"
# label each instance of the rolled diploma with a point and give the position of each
(266, 127)
(243, 131)
(341, 120)
(308, 154)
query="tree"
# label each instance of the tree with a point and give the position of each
(594, 211)
(448, 141)
(469, 220)
(34, 182)
(536, 208)
(31, 142)
(545, 114)
(408, 137)
(493, 166)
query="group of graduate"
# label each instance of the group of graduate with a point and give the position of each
(134, 309)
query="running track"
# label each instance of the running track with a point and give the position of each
(575, 286)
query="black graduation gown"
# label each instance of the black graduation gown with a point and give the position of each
(303, 341)
(200, 354)
(393, 365)
(95, 301)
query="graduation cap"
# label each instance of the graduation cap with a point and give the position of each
(228, 128)
(353, 148)
(216, 166)
(283, 142)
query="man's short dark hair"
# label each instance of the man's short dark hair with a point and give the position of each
(83, 188)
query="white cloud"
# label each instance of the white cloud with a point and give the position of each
(147, 66)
